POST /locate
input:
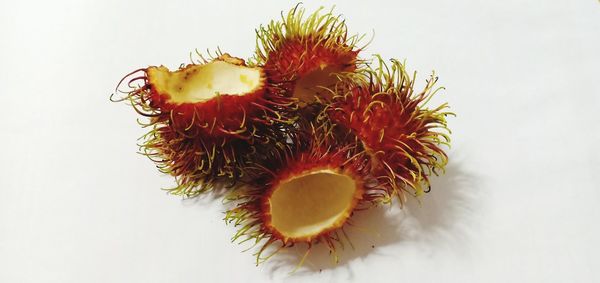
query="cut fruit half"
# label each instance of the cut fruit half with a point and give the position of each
(222, 97)
(311, 203)
(219, 98)
(305, 194)
(305, 54)
(207, 119)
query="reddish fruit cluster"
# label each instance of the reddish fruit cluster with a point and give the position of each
(305, 124)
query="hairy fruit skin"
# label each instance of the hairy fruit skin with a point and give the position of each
(225, 114)
(292, 60)
(296, 47)
(206, 142)
(400, 134)
(310, 125)
(320, 152)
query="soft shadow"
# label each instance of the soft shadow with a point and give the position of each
(443, 218)
(371, 229)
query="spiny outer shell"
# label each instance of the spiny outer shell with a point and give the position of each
(225, 114)
(198, 164)
(399, 132)
(295, 47)
(207, 142)
(313, 150)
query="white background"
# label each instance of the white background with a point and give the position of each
(520, 201)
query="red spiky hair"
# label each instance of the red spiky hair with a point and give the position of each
(316, 151)
(304, 54)
(207, 118)
(400, 133)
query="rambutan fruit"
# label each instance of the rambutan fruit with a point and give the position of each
(401, 134)
(304, 54)
(305, 194)
(309, 132)
(207, 118)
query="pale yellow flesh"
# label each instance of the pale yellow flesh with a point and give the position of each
(307, 205)
(203, 82)
(311, 85)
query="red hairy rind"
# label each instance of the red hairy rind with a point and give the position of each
(201, 143)
(305, 115)
(297, 46)
(223, 115)
(297, 57)
(312, 149)
(400, 133)
(198, 163)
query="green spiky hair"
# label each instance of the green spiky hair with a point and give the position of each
(319, 145)
(325, 29)
(205, 144)
(297, 46)
(311, 126)
(400, 131)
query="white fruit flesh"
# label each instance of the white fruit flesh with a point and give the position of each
(199, 83)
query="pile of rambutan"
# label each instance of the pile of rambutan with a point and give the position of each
(298, 137)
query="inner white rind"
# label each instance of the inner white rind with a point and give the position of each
(311, 85)
(306, 205)
(203, 82)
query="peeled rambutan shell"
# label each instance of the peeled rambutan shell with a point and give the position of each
(306, 193)
(301, 206)
(310, 71)
(218, 98)
(208, 119)
(305, 54)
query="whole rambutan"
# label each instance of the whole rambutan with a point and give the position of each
(401, 134)
(305, 194)
(304, 54)
(207, 119)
